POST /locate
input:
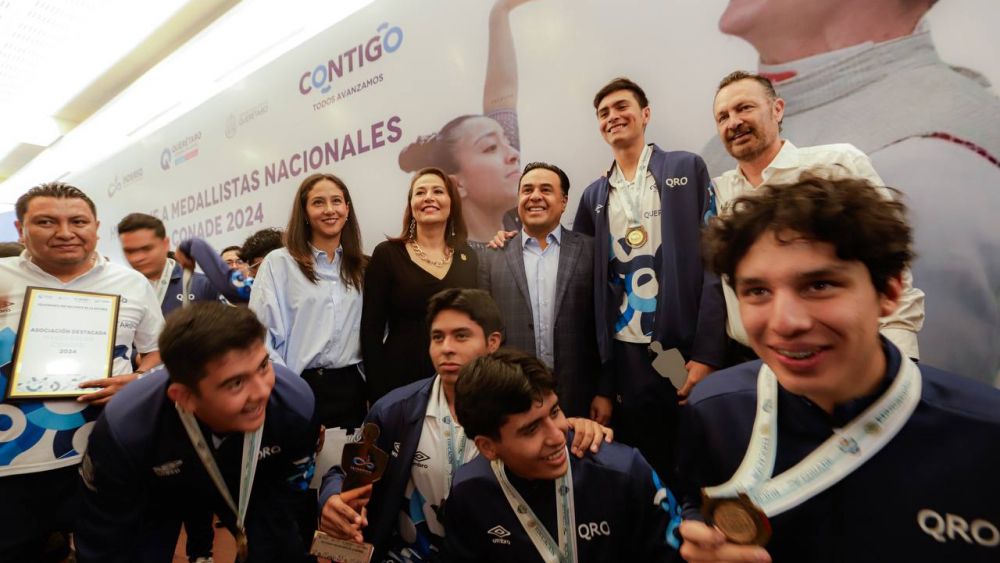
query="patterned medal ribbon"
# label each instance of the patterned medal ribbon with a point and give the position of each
(848, 448)
(565, 550)
(631, 192)
(248, 468)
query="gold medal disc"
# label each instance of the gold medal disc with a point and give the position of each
(636, 237)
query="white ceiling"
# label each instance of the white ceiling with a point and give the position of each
(112, 67)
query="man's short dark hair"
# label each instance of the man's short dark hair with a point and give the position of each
(204, 331)
(621, 83)
(475, 303)
(8, 249)
(260, 244)
(563, 178)
(138, 221)
(849, 213)
(492, 388)
(738, 75)
(57, 190)
(231, 248)
(764, 82)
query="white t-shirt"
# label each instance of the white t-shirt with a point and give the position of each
(635, 268)
(430, 475)
(43, 435)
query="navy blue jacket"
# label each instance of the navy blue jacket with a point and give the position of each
(400, 417)
(201, 290)
(690, 310)
(141, 475)
(616, 517)
(939, 473)
(230, 282)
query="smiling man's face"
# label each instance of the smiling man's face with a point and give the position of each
(747, 119)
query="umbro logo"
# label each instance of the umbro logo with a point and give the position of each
(499, 534)
(420, 459)
(169, 468)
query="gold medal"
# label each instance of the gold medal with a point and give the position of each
(636, 236)
(739, 519)
(242, 545)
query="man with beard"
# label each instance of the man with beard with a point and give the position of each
(867, 72)
(748, 115)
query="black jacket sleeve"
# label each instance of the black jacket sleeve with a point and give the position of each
(374, 316)
(114, 500)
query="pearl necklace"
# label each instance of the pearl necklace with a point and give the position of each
(448, 252)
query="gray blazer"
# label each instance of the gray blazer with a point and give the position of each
(577, 363)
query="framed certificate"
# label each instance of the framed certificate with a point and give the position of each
(64, 338)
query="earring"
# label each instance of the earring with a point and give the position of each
(413, 229)
(452, 228)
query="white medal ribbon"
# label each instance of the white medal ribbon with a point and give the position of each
(836, 458)
(164, 282)
(565, 551)
(631, 193)
(248, 467)
(161, 286)
(186, 277)
(456, 456)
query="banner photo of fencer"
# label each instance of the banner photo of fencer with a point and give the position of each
(482, 88)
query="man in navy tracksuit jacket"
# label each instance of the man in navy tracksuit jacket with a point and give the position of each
(464, 324)
(230, 282)
(654, 288)
(141, 472)
(145, 245)
(814, 265)
(616, 516)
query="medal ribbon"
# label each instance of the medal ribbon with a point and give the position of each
(455, 458)
(835, 459)
(186, 277)
(632, 191)
(161, 285)
(565, 551)
(248, 467)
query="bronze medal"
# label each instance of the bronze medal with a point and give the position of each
(739, 519)
(636, 236)
(242, 545)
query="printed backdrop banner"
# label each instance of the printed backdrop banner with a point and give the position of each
(377, 90)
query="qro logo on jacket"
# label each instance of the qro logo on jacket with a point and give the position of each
(675, 182)
(952, 527)
(499, 534)
(591, 530)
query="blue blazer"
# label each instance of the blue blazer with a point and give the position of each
(577, 362)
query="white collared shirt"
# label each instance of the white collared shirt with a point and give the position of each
(309, 325)
(541, 268)
(839, 160)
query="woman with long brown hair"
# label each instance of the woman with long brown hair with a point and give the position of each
(309, 296)
(429, 255)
